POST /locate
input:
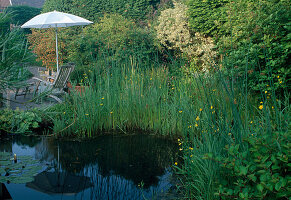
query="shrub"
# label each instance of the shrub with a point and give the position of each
(259, 43)
(260, 172)
(17, 121)
(174, 34)
(114, 36)
(207, 17)
(43, 44)
(93, 10)
(21, 14)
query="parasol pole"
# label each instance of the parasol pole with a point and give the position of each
(57, 53)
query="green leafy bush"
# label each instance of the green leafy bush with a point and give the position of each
(17, 121)
(174, 34)
(93, 10)
(258, 43)
(261, 172)
(207, 17)
(114, 36)
(21, 14)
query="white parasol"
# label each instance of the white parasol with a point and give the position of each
(55, 19)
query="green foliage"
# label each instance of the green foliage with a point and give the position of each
(114, 36)
(19, 172)
(258, 43)
(13, 53)
(20, 122)
(174, 34)
(93, 10)
(260, 172)
(21, 14)
(206, 17)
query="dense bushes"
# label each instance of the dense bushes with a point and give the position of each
(21, 14)
(174, 34)
(260, 172)
(93, 10)
(114, 36)
(207, 17)
(259, 43)
(16, 121)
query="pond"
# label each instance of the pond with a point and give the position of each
(107, 167)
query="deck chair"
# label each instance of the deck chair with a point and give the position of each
(57, 85)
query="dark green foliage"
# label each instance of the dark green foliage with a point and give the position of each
(259, 45)
(206, 16)
(21, 14)
(261, 172)
(16, 121)
(93, 10)
(114, 36)
(13, 53)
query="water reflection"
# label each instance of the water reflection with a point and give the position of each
(116, 165)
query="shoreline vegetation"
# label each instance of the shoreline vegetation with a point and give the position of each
(216, 81)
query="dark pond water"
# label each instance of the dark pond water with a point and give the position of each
(108, 167)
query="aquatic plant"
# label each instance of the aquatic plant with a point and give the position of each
(17, 169)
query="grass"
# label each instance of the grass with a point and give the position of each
(205, 111)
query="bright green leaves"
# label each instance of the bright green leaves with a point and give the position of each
(261, 171)
(16, 121)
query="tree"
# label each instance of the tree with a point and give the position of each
(93, 10)
(207, 16)
(21, 14)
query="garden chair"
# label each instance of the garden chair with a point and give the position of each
(57, 85)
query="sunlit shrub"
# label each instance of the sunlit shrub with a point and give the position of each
(173, 33)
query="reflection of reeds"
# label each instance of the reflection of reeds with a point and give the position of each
(116, 187)
(136, 158)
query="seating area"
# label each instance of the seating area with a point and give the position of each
(52, 87)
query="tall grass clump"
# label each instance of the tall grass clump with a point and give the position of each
(241, 149)
(125, 98)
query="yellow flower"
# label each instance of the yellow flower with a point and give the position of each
(261, 107)
(272, 107)
(191, 155)
(197, 118)
(200, 109)
(151, 78)
(261, 102)
(173, 88)
(180, 149)
(191, 148)
(176, 163)
(86, 114)
(229, 133)
(180, 111)
(196, 125)
(102, 98)
(211, 107)
(64, 112)
(251, 122)
(280, 81)
(278, 76)
(266, 92)
(111, 112)
(101, 104)
(178, 140)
